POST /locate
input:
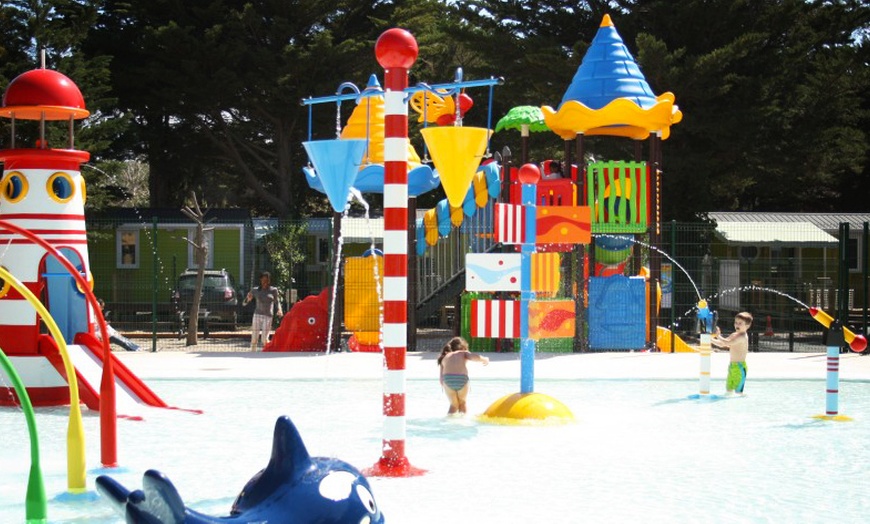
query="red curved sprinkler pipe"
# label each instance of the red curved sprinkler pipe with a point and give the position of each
(108, 415)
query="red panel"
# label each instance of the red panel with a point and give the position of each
(394, 358)
(14, 294)
(395, 219)
(396, 311)
(39, 397)
(395, 172)
(394, 450)
(394, 405)
(19, 340)
(60, 159)
(557, 192)
(395, 265)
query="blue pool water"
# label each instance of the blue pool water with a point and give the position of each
(639, 451)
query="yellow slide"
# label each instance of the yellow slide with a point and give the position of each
(663, 341)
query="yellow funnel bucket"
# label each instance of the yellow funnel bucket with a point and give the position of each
(457, 152)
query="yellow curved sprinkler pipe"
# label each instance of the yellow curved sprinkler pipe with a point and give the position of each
(75, 436)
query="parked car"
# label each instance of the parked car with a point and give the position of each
(219, 295)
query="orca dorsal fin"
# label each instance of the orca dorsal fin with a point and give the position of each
(287, 465)
(290, 458)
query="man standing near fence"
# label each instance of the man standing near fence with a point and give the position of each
(268, 300)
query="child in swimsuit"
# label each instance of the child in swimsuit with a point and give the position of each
(737, 344)
(454, 373)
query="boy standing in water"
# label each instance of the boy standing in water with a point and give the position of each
(454, 373)
(738, 345)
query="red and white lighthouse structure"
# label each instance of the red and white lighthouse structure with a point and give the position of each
(43, 192)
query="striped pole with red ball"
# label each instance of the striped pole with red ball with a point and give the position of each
(396, 51)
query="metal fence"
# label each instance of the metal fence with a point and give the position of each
(776, 286)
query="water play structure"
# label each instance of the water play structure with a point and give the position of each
(304, 327)
(615, 201)
(47, 282)
(42, 217)
(609, 96)
(540, 222)
(456, 152)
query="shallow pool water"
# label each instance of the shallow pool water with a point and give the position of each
(639, 451)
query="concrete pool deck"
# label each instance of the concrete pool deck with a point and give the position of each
(421, 365)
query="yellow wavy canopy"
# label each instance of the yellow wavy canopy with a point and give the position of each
(621, 117)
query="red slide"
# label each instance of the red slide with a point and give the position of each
(124, 378)
(87, 358)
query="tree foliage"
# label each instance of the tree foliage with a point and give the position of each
(285, 245)
(774, 94)
(58, 29)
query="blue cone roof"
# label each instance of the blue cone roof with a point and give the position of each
(608, 72)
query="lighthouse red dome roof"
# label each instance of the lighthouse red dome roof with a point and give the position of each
(43, 93)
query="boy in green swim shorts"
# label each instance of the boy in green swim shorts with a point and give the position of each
(454, 373)
(737, 344)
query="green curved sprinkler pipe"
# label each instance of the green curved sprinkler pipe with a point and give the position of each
(75, 437)
(35, 503)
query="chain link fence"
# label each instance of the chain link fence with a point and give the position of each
(136, 263)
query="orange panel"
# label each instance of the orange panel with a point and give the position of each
(563, 225)
(545, 272)
(551, 319)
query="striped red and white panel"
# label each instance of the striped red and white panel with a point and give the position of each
(495, 318)
(510, 220)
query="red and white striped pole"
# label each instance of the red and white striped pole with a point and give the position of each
(396, 51)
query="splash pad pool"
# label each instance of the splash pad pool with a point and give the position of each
(639, 450)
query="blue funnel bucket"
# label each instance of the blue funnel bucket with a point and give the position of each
(336, 162)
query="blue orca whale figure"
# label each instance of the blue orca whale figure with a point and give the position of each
(293, 488)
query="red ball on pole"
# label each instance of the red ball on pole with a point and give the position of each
(396, 48)
(529, 174)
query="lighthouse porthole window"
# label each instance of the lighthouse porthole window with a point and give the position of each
(89, 278)
(84, 191)
(60, 187)
(4, 286)
(14, 186)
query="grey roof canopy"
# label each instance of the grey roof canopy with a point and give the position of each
(767, 234)
(772, 229)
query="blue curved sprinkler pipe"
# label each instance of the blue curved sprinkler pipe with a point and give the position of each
(834, 340)
(448, 88)
(527, 345)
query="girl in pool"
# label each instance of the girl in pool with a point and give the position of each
(454, 373)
